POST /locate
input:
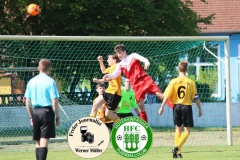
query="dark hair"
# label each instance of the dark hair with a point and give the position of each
(114, 56)
(119, 47)
(183, 66)
(100, 85)
(44, 64)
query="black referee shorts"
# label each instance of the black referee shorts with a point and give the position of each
(123, 115)
(112, 100)
(182, 115)
(43, 123)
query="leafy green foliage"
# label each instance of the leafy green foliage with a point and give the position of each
(102, 18)
(95, 18)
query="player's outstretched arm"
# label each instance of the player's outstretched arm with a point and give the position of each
(161, 109)
(142, 59)
(197, 101)
(101, 80)
(114, 74)
(102, 66)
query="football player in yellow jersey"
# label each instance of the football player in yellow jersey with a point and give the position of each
(181, 91)
(113, 93)
(100, 88)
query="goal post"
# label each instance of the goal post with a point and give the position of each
(228, 91)
(74, 64)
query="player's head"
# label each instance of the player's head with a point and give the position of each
(44, 65)
(183, 66)
(127, 84)
(120, 51)
(112, 59)
(100, 88)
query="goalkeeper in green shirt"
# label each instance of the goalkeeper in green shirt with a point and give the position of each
(127, 101)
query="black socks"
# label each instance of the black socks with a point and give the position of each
(37, 153)
(42, 153)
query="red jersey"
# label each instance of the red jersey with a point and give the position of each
(134, 72)
(131, 67)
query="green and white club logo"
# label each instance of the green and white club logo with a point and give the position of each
(131, 137)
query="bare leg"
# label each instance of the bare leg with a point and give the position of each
(187, 129)
(159, 95)
(44, 142)
(143, 114)
(100, 101)
(111, 115)
(141, 106)
(37, 143)
(178, 129)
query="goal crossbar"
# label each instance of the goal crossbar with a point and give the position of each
(114, 38)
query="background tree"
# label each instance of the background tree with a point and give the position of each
(102, 17)
(94, 18)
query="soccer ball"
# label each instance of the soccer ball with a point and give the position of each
(144, 138)
(119, 137)
(33, 9)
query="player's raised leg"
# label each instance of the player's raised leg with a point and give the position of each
(142, 111)
(99, 102)
(159, 95)
(100, 88)
(112, 105)
(145, 85)
(112, 115)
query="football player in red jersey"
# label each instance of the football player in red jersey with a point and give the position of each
(131, 67)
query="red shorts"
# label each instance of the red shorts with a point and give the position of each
(143, 86)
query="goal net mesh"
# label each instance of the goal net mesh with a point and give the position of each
(74, 65)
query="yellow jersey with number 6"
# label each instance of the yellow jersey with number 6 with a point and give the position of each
(181, 90)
